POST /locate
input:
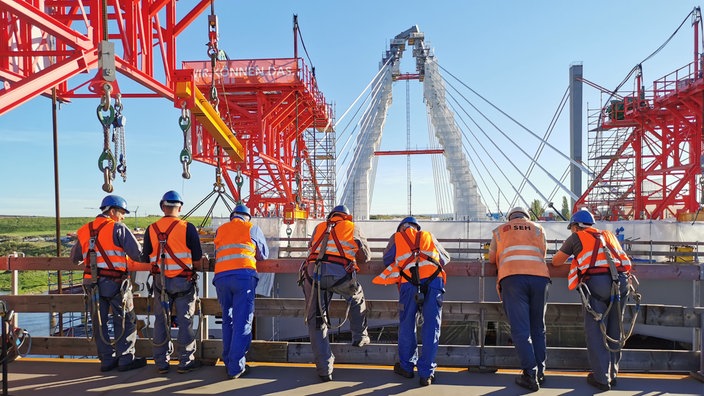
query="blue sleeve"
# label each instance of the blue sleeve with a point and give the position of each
(262, 250)
(193, 242)
(124, 238)
(390, 251)
(147, 246)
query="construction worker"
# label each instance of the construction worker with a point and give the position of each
(238, 246)
(415, 262)
(518, 250)
(600, 272)
(104, 246)
(331, 266)
(172, 246)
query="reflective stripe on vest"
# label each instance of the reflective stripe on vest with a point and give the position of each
(176, 241)
(342, 232)
(234, 248)
(426, 268)
(583, 261)
(520, 249)
(106, 240)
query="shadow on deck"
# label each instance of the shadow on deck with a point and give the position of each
(31, 376)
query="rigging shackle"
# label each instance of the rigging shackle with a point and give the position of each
(107, 184)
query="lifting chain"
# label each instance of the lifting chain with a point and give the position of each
(239, 181)
(184, 121)
(106, 161)
(118, 138)
(218, 186)
(213, 53)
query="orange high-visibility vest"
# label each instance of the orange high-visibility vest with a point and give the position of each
(423, 251)
(175, 249)
(520, 249)
(234, 248)
(593, 256)
(341, 247)
(108, 255)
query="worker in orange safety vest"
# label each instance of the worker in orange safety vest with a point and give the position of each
(172, 246)
(415, 261)
(518, 250)
(239, 244)
(600, 272)
(104, 247)
(331, 267)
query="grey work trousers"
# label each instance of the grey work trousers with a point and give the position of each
(351, 291)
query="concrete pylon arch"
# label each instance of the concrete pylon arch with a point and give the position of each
(358, 192)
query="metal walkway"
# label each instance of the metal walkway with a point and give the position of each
(31, 376)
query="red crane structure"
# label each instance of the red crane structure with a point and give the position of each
(268, 103)
(647, 147)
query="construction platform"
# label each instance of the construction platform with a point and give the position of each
(33, 376)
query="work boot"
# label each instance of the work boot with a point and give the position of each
(400, 371)
(107, 366)
(528, 382)
(163, 369)
(241, 373)
(325, 378)
(362, 342)
(427, 381)
(134, 364)
(593, 382)
(193, 365)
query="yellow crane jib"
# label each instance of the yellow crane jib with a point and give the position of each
(206, 114)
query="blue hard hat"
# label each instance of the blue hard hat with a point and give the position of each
(339, 209)
(240, 209)
(582, 218)
(408, 220)
(113, 201)
(171, 198)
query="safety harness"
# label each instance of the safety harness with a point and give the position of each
(92, 295)
(14, 339)
(615, 298)
(165, 297)
(414, 278)
(322, 314)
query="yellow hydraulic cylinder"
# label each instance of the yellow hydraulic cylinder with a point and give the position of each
(206, 114)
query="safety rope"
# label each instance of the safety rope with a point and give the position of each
(315, 285)
(93, 292)
(15, 337)
(615, 299)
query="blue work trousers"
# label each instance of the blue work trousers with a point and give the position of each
(126, 335)
(604, 363)
(184, 302)
(431, 313)
(524, 299)
(236, 294)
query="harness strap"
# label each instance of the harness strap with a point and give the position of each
(417, 255)
(95, 242)
(163, 243)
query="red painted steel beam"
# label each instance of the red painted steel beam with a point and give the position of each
(45, 79)
(409, 152)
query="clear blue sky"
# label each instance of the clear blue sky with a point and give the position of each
(515, 53)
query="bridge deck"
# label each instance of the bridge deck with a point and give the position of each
(32, 376)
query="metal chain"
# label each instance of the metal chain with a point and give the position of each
(184, 121)
(106, 160)
(118, 127)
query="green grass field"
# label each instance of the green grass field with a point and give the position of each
(36, 237)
